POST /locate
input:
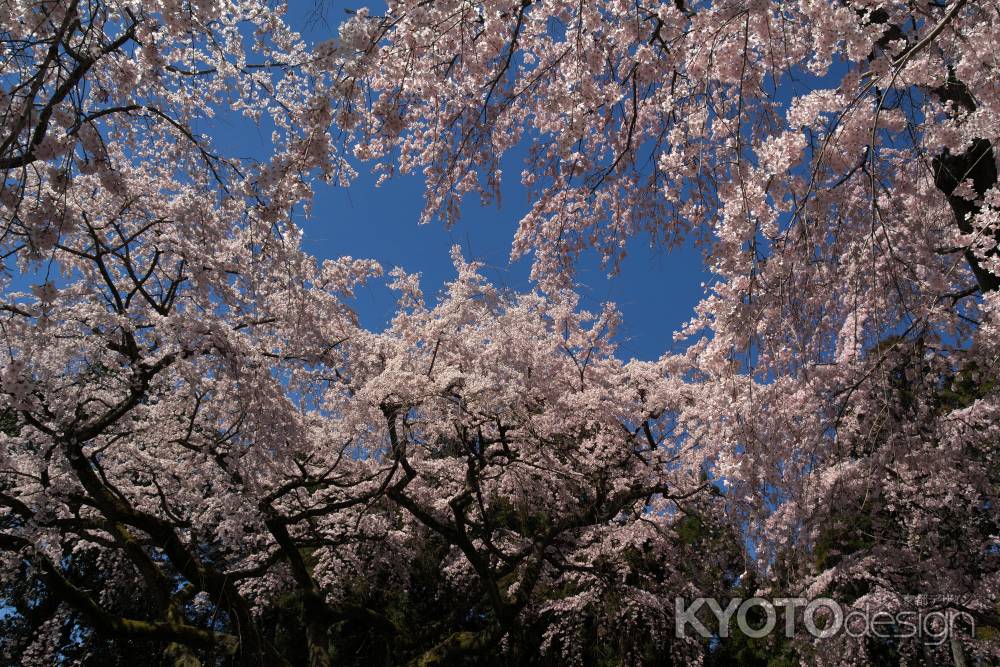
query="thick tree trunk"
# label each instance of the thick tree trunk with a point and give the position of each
(978, 164)
(317, 630)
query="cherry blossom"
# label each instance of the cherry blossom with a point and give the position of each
(205, 458)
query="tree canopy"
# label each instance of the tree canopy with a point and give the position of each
(206, 459)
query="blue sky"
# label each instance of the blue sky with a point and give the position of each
(656, 290)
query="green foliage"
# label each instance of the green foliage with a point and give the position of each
(8, 423)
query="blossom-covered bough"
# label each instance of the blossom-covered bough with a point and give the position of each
(149, 369)
(206, 459)
(203, 452)
(543, 462)
(837, 162)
